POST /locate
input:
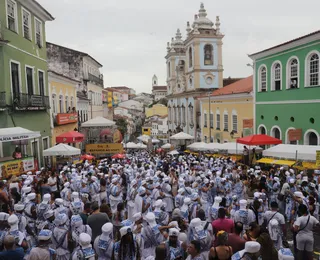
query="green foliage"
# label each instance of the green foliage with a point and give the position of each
(122, 125)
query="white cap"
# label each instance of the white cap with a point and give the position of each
(13, 220)
(298, 194)
(137, 216)
(252, 247)
(26, 190)
(58, 201)
(31, 196)
(85, 240)
(173, 232)
(44, 234)
(4, 216)
(243, 202)
(158, 203)
(46, 198)
(124, 231)
(107, 228)
(187, 201)
(19, 207)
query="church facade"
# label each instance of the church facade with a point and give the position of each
(194, 68)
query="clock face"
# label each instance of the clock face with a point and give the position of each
(209, 80)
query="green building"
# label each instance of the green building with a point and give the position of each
(24, 92)
(287, 90)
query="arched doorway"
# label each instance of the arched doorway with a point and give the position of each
(313, 139)
(276, 133)
(262, 130)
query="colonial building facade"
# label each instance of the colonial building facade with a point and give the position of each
(194, 68)
(287, 87)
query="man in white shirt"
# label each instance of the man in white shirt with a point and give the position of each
(52, 181)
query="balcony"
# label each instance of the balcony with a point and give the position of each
(22, 101)
(3, 103)
(95, 79)
(66, 118)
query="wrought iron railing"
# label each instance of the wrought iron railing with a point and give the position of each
(3, 102)
(26, 101)
(95, 79)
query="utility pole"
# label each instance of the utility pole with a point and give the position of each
(209, 96)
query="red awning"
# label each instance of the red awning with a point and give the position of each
(118, 156)
(258, 140)
(70, 137)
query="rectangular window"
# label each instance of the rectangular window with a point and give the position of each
(38, 29)
(29, 75)
(12, 15)
(218, 121)
(15, 78)
(226, 123)
(235, 123)
(205, 120)
(26, 24)
(211, 120)
(41, 83)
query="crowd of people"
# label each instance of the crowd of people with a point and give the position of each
(148, 206)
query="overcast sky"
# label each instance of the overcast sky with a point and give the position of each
(129, 37)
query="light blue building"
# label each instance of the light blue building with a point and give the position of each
(194, 69)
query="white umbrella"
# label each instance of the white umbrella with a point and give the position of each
(236, 148)
(198, 146)
(213, 146)
(144, 138)
(166, 146)
(182, 136)
(155, 141)
(131, 145)
(62, 150)
(97, 122)
(173, 152)
(141, 146)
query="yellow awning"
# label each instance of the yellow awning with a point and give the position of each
(284, 162)
(274, 161)
(309, 165)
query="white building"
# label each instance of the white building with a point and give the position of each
(158, 92)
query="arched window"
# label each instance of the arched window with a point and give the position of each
(293, 73)
(311, 137)
(190, 57)
(54, 103)
(208, 54)
(234, 121)
(211, 120)
(262, 130)
(183, 115)
(191, 123)
(263, 79)
(276, 76)
(275, 132)
(60, 104)
(225, 121)
(169, 70)
(313, 70)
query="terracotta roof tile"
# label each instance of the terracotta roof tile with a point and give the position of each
(241, 86)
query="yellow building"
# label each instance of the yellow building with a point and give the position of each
(64, 115)
(230, 114)
(157, 109)
(146, 129)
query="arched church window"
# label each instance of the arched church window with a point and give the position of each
(208, 54)
(190, 57)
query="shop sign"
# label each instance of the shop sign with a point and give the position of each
(295, 134)
(247, 123)
(16, 167)
(104, 148)
(67, 118)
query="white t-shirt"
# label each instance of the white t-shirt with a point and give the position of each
(53, 181)
(302, 221)
(277, 216)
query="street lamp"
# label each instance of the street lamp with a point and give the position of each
(209, 96)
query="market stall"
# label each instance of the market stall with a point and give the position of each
(235, 148)
(182, 139)
(258, 140)
(62, 150)
(70, 137)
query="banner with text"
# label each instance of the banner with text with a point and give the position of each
(104, 148)
(16, 167)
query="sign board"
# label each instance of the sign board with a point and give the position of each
(295, 134)
(247, 123)
(16, 167)
(63, 119)
(318, 158)
(104, 148)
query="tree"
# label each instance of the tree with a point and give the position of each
(122, 125)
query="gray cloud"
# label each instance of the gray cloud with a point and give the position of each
(129, 37)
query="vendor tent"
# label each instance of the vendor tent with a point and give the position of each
(62, 150)
(17, 134)
(258, 140)
(198, 146)
(98, 122)
(182, 136)
(213, 146)
(291, 151)
(70, 137)
(155, 141)
(141, 146)
(234, 148)
(144, 138)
